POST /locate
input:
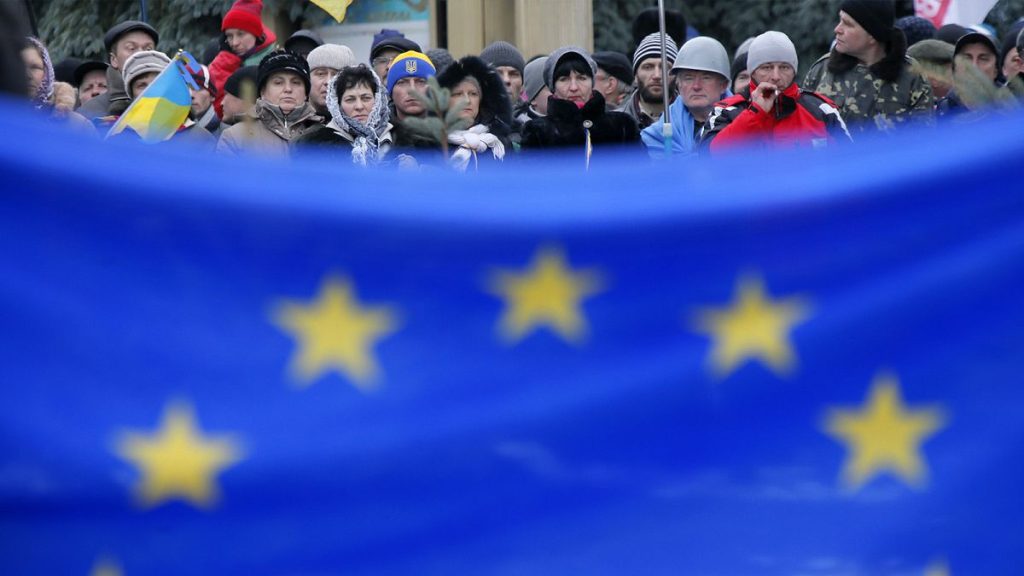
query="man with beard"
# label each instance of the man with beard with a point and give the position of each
(647, 103)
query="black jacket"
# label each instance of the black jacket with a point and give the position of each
(565, 125)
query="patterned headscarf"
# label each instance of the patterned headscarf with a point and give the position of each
(367, 136)
(45, 93)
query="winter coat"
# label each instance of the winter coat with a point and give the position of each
(879, 98)
(493, 122)
(631, 107)
(267, 130)
(227, 63)
(799, 118)
(564, 125)
(685, 133)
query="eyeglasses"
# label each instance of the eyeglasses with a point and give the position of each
(380, 61)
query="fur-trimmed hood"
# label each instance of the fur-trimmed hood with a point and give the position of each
(888, 68)
(495, 107)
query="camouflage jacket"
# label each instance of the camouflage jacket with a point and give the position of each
(868, 103)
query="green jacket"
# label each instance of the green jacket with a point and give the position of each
(869, 103)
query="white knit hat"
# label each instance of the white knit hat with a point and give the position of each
(334, 56)
(771, 46)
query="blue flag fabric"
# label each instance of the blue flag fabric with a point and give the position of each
(801, 364)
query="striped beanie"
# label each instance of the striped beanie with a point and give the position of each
(650, 47)
(409, 64)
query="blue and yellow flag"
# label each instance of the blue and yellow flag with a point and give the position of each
(756, 365)
(163, 106)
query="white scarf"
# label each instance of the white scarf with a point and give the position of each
(471, 142)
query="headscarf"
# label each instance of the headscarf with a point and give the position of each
(45, 92)
(366, 144)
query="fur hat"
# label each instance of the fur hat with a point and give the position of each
(771, 46)
(246, 15)
(411, 64)
(650, 47)
(502, 53)
(282, 61)
(141, 63)
(706, 54)
(494, 102)
(877, 17)
(533, 77)
(115, 33)
(334, 56)
(648, 22)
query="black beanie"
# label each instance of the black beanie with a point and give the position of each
(282, 61)
(877, 17)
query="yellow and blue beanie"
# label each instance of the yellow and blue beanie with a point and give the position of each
(409, 64)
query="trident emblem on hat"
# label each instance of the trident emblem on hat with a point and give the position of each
(410, 66)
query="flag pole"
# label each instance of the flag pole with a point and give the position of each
(143, 13)
(666, 127)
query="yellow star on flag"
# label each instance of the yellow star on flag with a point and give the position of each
(333, 332)
(336, 8)
(937, 568)
(548, 294)
(884, 436)
(752, 327)
(106, 567)
(177, 461)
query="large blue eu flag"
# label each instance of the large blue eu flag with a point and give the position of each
(759, 365)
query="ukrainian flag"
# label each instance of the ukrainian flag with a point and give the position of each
(160, 110)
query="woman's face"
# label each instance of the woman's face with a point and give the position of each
(574, 87)
(467, 92)
(357, 102)
(239, 41)
(285, 90)
(34, 68)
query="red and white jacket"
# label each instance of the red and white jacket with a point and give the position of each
(799, 118)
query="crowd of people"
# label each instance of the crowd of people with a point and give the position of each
(254, 96)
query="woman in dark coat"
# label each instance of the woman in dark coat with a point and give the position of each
(576, 112)
(487, 107)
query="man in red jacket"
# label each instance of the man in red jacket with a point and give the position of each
(774, 111)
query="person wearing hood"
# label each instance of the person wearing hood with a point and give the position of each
(121, 41)
(867, 73)
(360, 118)
(246, 42)
(325, 61)
(487, 108)
(975, 60)
(281, 113)
(54, 99)
(576, 115)
(774, 112)
(647, 103)
(702, 76)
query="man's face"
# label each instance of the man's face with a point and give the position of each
(513, 80)
(742, 81)
(201, 100)
(402, 95)
(1013, 64)
(141, 82)
(700, 89)
(781, 74)
(233, 106)
(851, 38)
(605, 84)
(128, 44)
(94, 83)
(648, 80)
(320, 79)
(981, 56)
(382, 62)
